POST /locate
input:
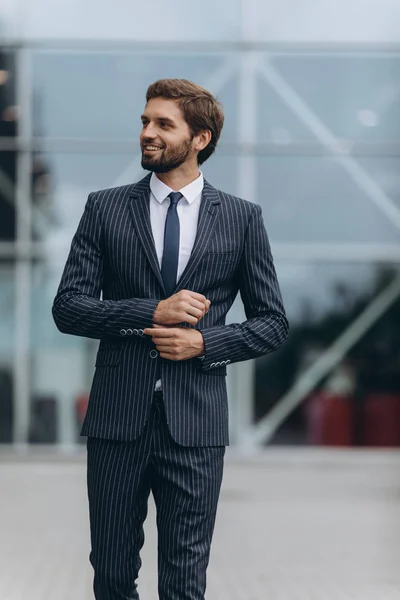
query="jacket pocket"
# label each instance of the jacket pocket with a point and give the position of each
(215, 372)
(108, 357)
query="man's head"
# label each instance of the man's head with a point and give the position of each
(182, 123)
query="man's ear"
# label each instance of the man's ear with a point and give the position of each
(202, 140)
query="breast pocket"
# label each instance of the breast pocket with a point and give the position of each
(218, 266)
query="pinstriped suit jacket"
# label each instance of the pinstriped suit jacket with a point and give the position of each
(113, 255)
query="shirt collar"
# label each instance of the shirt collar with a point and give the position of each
(190, 192)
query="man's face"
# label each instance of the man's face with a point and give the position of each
(166, 140)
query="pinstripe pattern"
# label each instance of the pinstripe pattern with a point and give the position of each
(175, 448)
(185, 483)
(113, 253)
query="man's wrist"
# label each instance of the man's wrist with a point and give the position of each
(202, 350)
(156, 316)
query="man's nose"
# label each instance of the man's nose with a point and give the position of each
(149, 132)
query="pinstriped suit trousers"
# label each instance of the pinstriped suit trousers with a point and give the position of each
(185, 483)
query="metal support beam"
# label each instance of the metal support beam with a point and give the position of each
(242, 395)
(22, 350)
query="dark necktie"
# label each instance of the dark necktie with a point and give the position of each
(169, 263)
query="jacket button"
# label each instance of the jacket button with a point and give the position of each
(153, 353)
(123, 332)
(129, 332)
(135, 331)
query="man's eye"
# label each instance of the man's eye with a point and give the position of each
(163, 125)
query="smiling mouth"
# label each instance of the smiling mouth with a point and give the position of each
(149, 149)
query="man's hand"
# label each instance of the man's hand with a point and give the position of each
(183, 307)
(177, 343)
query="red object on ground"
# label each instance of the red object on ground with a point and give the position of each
(382, 420)
(81, 404)
(330, 420)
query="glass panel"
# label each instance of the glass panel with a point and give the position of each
(7, 337)
(62, 365)
(322, 300)
(314, 22)
(386, 174)
(177, 21)
(354, 97)
(313, 199)
(68, 181)
(10, 19)
(276, 122)
(102, 95)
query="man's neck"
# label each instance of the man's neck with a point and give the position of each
(179, 178)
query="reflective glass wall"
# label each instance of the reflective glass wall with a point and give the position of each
(312, 135)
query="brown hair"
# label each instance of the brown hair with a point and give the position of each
(200, 109)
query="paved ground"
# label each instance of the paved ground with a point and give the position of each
(293, 524)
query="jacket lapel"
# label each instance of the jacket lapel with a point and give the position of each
(208, 217)
(140, 211)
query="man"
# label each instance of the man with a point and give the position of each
(168, 255)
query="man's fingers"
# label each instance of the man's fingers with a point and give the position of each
(196, 304)
(198, 309)
(161, 332)
(168, 356)
(201, 306)
(163, 343)
(196, 295)
(194, 312)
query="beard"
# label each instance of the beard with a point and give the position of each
(168, 159)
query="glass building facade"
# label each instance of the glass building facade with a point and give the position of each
(312, 135)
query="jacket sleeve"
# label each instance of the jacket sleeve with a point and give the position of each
(77, 307)
(266, 327)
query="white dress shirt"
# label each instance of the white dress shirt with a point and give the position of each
(188, 212)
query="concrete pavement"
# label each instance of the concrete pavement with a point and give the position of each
(293, 524)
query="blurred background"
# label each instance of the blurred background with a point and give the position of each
(311, 93)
